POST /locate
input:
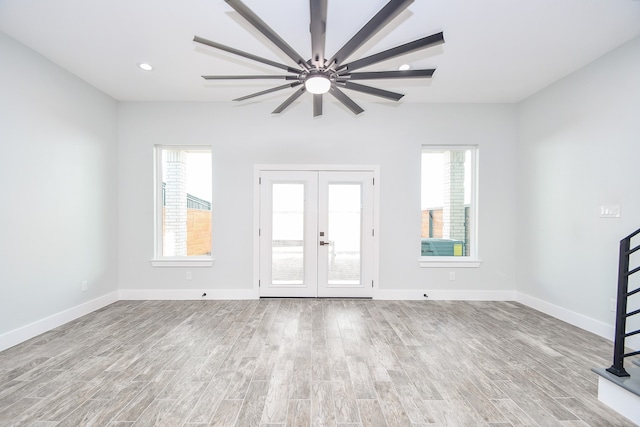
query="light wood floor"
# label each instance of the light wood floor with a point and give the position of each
(297, 362)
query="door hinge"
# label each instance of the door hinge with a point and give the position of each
(373, 232)
(372, 283)
(259, 232)
(373, 181)
(259, 180)
(258, 283)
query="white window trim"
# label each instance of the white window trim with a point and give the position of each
(206, 261)
(159, 260)
(472, 261)
(448, 262)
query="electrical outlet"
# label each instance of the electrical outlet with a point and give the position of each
(85, 285)
(188, 275)
(613, 305)
(452, 276)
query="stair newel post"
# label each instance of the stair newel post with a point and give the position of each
(621, 311)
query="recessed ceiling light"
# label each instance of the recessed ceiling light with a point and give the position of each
(404, 67)
(146, 67)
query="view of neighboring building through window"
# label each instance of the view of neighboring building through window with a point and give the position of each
(184, 219)
(447, 201)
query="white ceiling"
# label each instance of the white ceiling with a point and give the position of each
(495, 50)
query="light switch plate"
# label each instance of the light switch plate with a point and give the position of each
(610, 211)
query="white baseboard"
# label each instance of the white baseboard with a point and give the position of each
(441, 294)
(576, 319)
(24, 333)
(188, 294)
(11, 338)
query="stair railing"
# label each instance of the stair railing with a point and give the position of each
(621, 310)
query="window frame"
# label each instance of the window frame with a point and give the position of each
(472, 260)
(159, 260)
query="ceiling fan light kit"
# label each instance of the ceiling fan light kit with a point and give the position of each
(319, 75)
(317, 83)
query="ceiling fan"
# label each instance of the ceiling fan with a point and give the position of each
(320, 75)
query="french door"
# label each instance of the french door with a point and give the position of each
(316, 234)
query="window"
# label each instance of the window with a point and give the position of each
(183, 206)
(448, 205)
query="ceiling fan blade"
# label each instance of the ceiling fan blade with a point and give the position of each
(264, 92)
(318, 29)
(267, 31)
(245, 54)
(289, 100)
(374, 91)
(257, 77)
(345, 100)
(374, 75)
(382, 18)
(423, 43)
(317, 104)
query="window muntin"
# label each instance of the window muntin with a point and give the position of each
(183, 202)
(448, 199)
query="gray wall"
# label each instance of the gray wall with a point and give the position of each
(58, 215)
(579, 148)
(385, 135)
(78, 196)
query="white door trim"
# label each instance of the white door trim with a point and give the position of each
(375, 169)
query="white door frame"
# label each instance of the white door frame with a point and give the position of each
(375, 250)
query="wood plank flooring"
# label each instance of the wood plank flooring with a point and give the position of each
(307, 362)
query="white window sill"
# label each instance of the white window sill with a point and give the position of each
(449, 262)
(183, 262)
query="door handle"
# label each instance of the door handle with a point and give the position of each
(324, 243)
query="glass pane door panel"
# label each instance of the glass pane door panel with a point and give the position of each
(287, 244)
(344, 234)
